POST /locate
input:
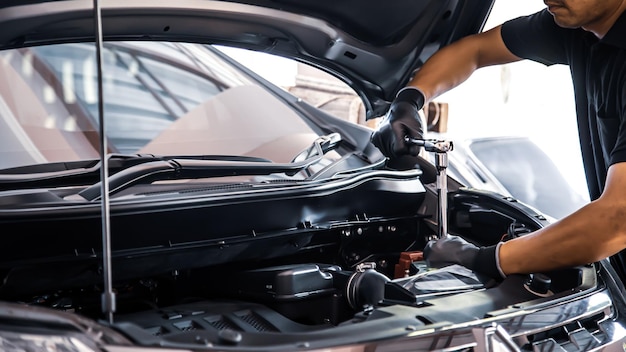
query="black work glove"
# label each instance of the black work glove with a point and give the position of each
(455, 250)
(402, 120)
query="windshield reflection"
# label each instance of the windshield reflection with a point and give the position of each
(159, 98)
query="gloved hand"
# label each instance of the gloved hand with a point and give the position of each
(455, 250)
(402, 120)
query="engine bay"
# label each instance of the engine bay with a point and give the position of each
(263, 261)
(358, 272)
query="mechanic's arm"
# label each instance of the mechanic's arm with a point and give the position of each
(594, 232)
(453, 64)
(446, 69)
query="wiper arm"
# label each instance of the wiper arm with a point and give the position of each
(76, 173)
(180, 168)
(321, 145)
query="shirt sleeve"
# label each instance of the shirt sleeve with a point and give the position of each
(536, 37)
(618, 154)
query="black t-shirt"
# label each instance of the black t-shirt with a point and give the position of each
(598, 69)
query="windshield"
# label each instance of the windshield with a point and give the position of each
(159, 98)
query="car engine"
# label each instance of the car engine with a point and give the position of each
(337, 267)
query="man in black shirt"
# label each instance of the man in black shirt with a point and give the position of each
(590, 37)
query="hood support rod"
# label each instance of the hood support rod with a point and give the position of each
(108, 296)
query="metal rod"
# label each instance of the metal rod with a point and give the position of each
(108, 296)
(440, 149)
(506, 339)
(441, 163)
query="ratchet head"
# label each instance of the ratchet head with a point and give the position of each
(430, 145)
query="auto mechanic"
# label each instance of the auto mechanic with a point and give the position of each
(590, 37)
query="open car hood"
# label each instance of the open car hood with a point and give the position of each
(374, 46)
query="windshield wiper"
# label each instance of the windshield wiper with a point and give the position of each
(191, 168)
(76, 173)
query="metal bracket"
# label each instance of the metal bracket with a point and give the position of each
(494, 339)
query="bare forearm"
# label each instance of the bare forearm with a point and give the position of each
(578, 239)
(453, 64)
(594, 232)
(442, 72)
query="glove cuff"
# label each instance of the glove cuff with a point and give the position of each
(411, 95)
(488, 262)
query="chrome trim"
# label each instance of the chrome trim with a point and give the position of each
(509, 331)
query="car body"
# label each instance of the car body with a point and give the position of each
(237, 217)
(513, 166)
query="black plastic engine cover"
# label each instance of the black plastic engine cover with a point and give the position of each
(159, 232)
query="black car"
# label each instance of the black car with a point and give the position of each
(236, 216)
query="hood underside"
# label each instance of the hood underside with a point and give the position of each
(374, 46)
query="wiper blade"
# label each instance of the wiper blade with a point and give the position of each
(76, 173)
(181, 168)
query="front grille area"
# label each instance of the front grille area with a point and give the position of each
(256, 321)
(211, 317)
(188, 325)
(583, 335)
(221, 322)
(156, 330)
(586, 323)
